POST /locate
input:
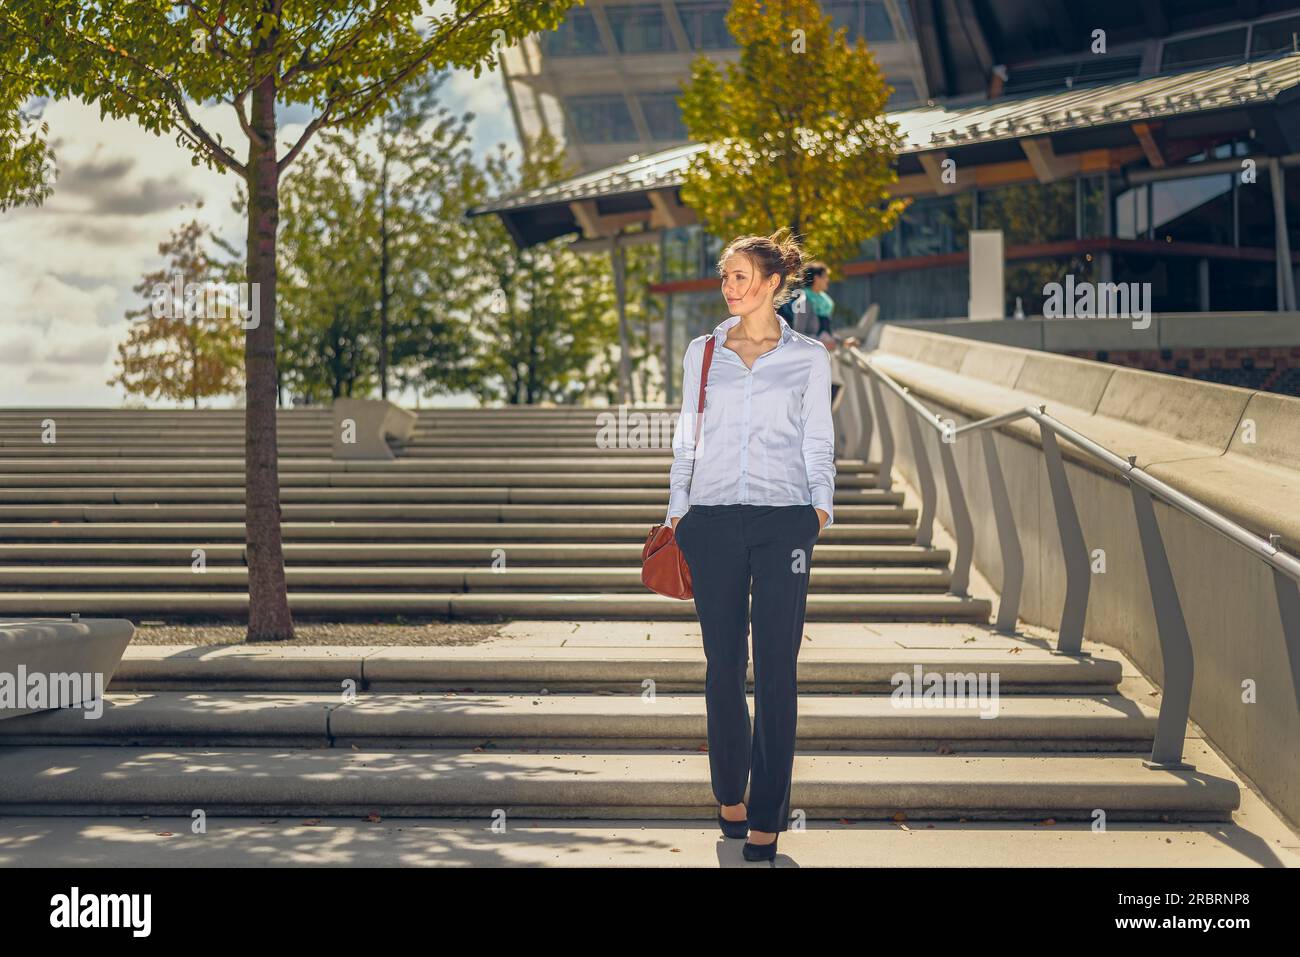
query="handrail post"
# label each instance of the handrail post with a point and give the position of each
(1288, 608)
(885, 477)
(963, 530)
(846, 418)
(1073, 548)
(1175, 643)
(924, 477)
(861, 447)
(1013, 559)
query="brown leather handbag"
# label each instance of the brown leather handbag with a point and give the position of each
(663, 567)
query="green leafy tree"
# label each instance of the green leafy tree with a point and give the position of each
(346, 62)
(372, 240)
(26, 160)
(796, 131)
(327, 290)
(184, 345)
(545, 325)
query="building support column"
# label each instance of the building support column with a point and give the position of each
(669, 385)
(1281, 241)
(618, 258)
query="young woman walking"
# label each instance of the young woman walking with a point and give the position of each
(747, 505)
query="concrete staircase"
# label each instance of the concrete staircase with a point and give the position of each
(486, 513)
(588, 705)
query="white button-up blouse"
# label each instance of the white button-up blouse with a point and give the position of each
(767, 436)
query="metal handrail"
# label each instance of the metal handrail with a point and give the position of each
(1175, 642)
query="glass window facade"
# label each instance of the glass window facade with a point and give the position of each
(576, 36)
(1197, 209)
(1209, 210)
(868, 20)
(663, 115)
(1133, 212)
(705, 22)
(1274, 36)
(600, 118)
(639, 28)
(1208, 49)
(904, 93)
(1031, 213)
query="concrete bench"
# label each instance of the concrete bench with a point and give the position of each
(362, 428)
(75, 659)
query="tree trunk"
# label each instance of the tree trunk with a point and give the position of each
(268, 600)
(383, 279)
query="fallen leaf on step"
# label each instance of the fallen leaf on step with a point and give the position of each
(311, 822)
(373, 817)
(1048, 822)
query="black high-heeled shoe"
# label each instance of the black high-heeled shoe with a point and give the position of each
(733, 828)
(760, 852)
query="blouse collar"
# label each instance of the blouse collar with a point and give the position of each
(720, 330)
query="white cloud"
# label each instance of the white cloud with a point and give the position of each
(69, 267)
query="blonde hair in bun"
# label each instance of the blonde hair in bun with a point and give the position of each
(779, 254)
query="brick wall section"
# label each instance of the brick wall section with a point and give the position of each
(1267, 369)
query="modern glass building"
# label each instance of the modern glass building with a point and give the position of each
(606, 82)
(1167, 154)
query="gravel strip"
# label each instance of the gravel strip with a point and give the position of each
(416, 632)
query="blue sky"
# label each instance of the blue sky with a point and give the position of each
(69, 266)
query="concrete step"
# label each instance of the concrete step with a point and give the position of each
(341, 605)
(521, 554)
(587, 722)
(495, 532)
(372, 842)
(605, 784)
(70, 496)
(598, 662)
(414, 450)
(591, 482)
(478, 578)
(500, 464)
(587, 514)
(579, 441)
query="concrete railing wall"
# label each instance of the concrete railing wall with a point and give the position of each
(1234, 330)
(1235, 450)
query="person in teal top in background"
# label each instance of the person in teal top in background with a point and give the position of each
(818, 277)
(811, 302)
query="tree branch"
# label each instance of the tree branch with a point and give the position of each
(312, 127)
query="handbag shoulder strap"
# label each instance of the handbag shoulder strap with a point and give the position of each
(704, 377)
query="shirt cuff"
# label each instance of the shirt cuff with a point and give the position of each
(679, 503)
(823, 502)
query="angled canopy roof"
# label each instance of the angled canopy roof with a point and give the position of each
(645, 188)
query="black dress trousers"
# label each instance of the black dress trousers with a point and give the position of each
(731, 551)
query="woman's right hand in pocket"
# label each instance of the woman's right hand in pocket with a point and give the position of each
(675, 521)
